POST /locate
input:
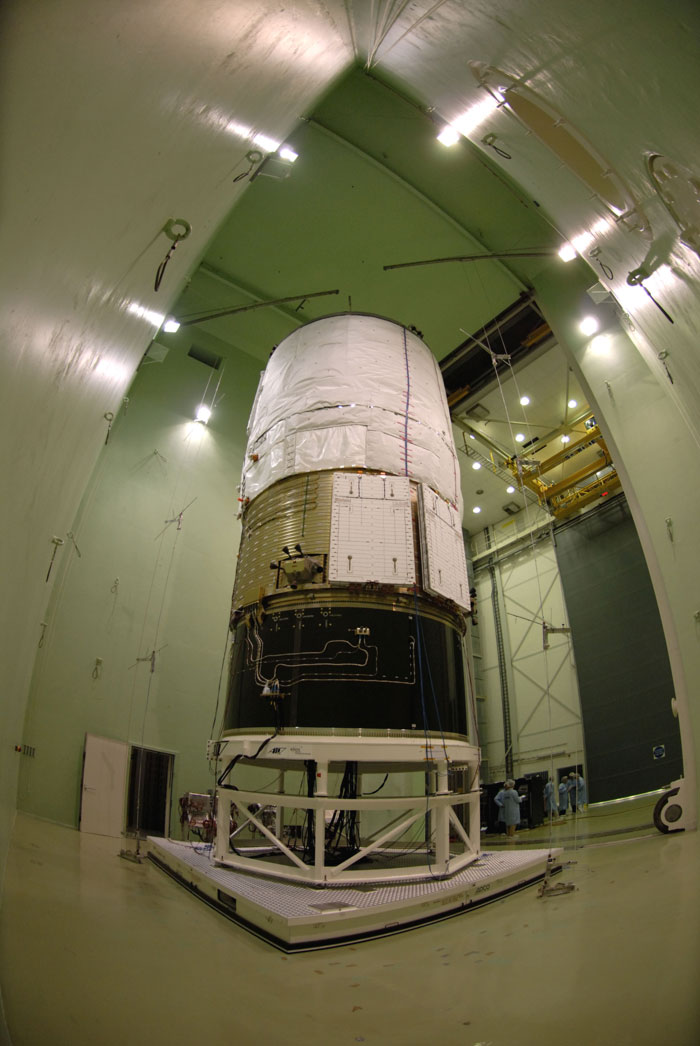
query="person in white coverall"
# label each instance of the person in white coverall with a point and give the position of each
(509, 800)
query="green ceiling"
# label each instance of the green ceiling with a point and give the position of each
(371, 187)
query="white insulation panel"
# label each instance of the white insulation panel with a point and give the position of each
(442, 549)
(371, 531)
(351, 391)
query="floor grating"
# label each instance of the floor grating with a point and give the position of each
(297, 900)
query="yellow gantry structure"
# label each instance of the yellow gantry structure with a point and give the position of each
(566, 496)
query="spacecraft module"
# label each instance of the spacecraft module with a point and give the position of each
(351, 587)
(349, 610)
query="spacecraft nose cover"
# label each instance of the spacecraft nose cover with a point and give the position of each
(352, 391)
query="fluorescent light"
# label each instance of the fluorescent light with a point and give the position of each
(524, 400)
(510, 490)
(476, 510)
(171, 325)
(588, 325)
(156, 318)
(566, 439)
(474, 117)
(476, 464)
(519, 437)
(203, 413)
(567, 253)
(448, 136)
(572, 403)
(585, 239)
(288, 154)
(266, 143)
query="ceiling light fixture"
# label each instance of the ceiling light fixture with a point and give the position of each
(474, 117)
(203, 413)
(524, 400)
(566, 439)
(519, 437)
(266, 143)
(288, 154)
(156, 318)
(476, 464)
(572, 403)
(171, 325)
(476, 510)
(468, 122)
(588, 325)
(567, 252)
(448, 136)
(510, 490)
(581, 242)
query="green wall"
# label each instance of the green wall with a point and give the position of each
(173, 591)
(649, 427)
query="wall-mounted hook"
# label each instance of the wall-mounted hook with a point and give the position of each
(57, 542)
(490, 140)
(109, 418)
(71, 537)
(175, 229)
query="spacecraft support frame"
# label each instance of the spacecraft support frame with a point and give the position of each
(435, 756)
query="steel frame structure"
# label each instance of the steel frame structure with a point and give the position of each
(433, 756)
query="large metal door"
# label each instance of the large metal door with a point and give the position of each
(104, 786)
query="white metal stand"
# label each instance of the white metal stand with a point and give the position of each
(449, 846)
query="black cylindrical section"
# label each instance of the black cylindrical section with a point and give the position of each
(347, 667)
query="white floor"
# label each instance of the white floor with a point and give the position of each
(96, 950)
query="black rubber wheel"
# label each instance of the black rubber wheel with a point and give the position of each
(672, 813)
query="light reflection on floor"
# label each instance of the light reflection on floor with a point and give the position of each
(95, 950)
(594, 824)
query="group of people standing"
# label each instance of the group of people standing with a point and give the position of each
(571, 792)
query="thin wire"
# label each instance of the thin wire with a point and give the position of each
(432, 689)
(428, 741)
(414, 26)
(388, 22)
(526, 506)
(408, 400)
(154, 646)
(221, 676)
(541, 601)
(351, 24)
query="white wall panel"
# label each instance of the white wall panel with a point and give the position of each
(544, 701)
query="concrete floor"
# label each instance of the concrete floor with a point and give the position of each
(96, 950)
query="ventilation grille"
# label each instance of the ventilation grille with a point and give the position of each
(157, 352)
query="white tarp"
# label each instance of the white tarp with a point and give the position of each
(351, 391)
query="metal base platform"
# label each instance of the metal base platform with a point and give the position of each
(296, 917)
